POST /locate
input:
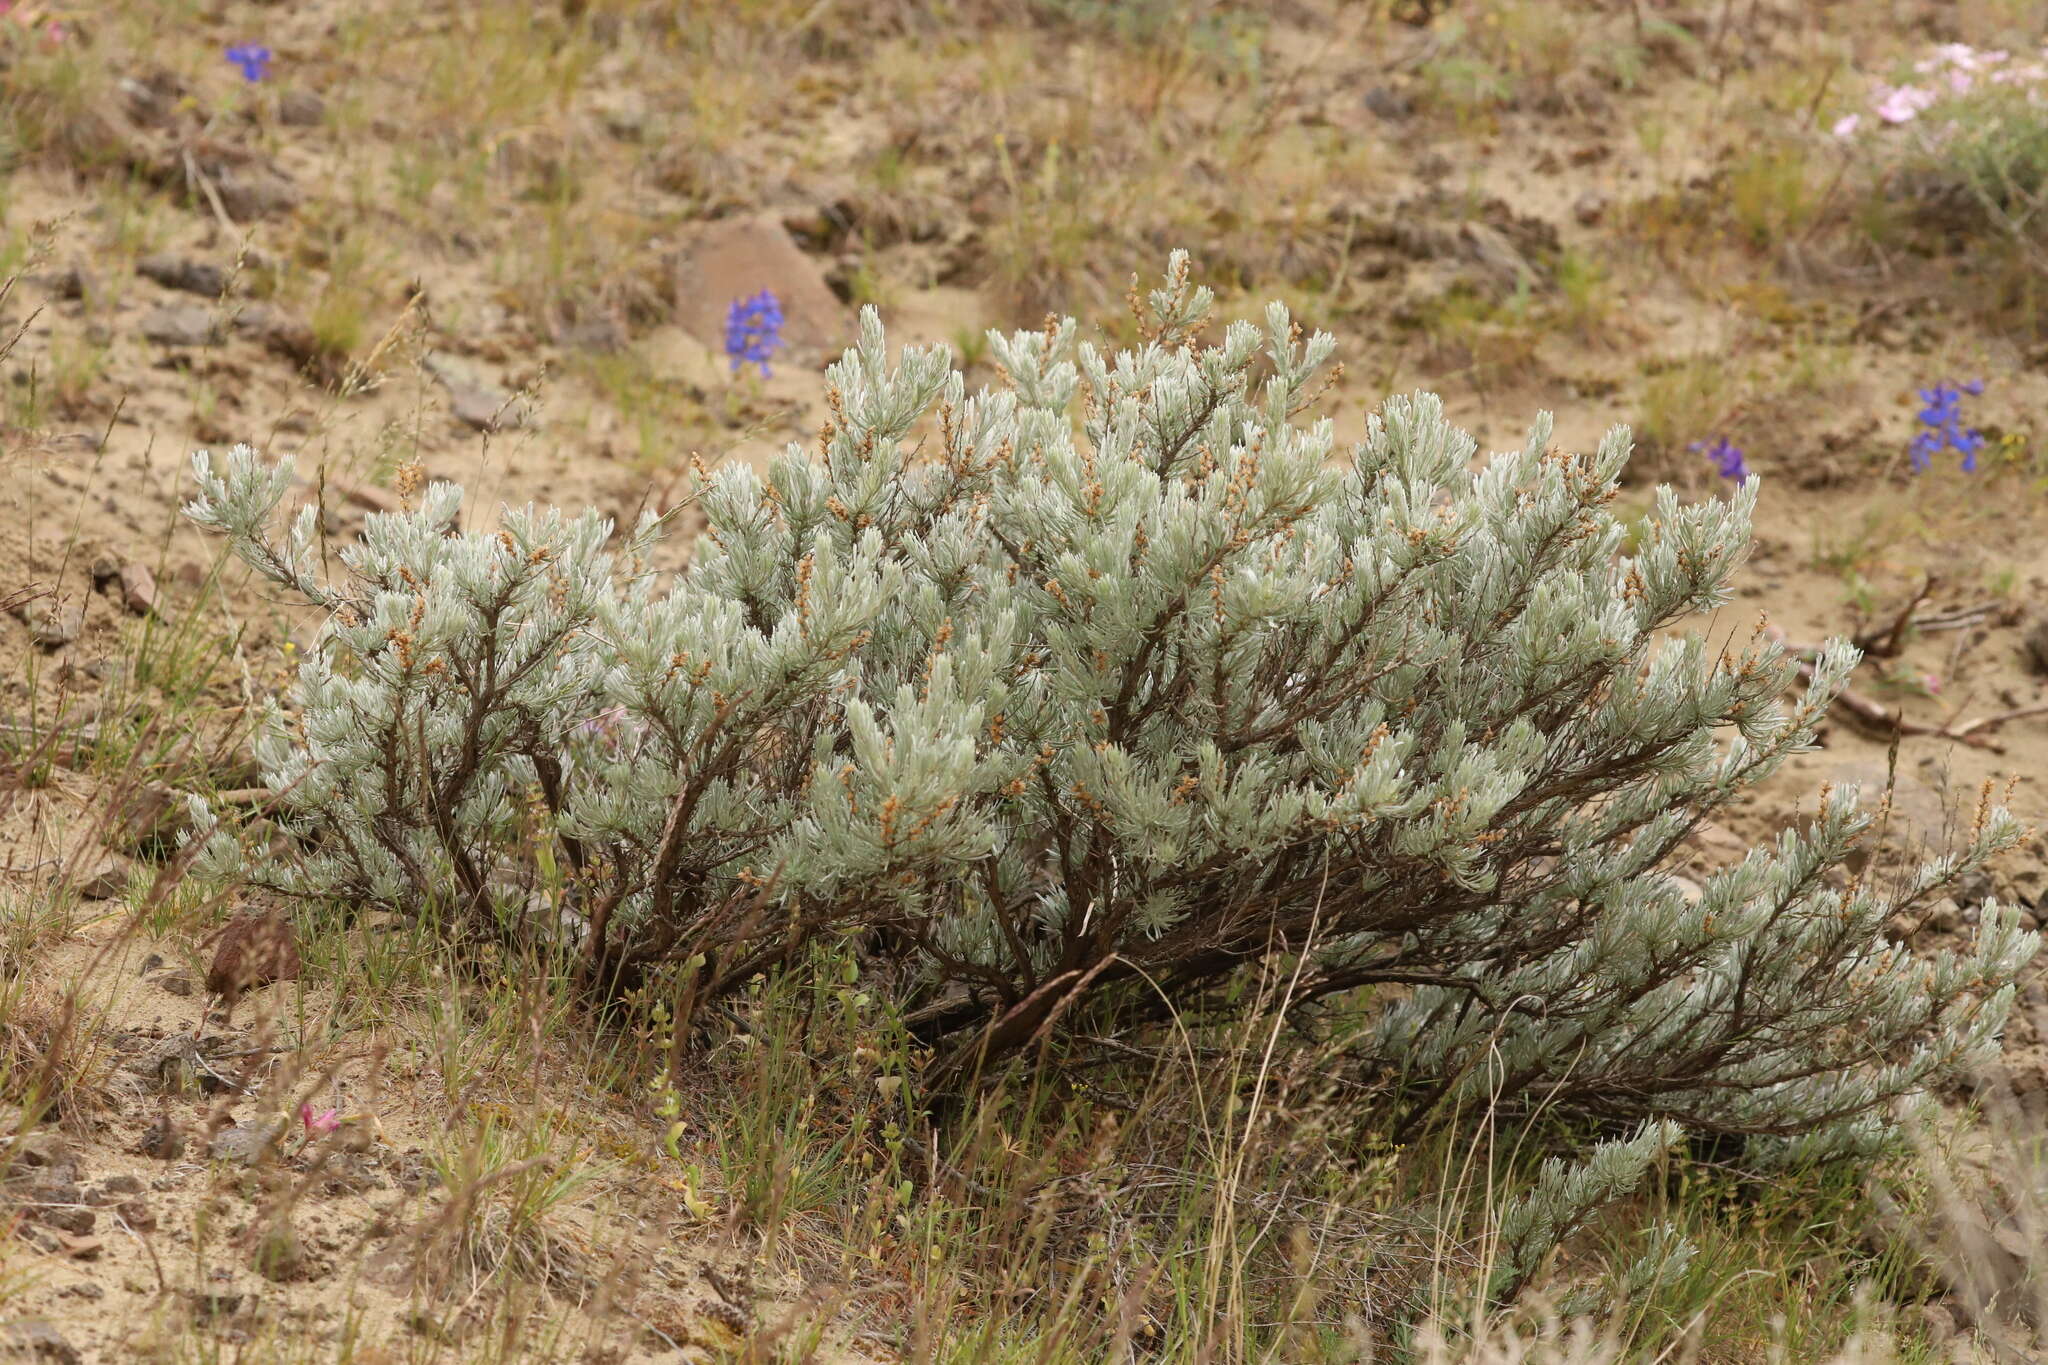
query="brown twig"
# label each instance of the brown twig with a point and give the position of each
(1886, 643)
(1887, 720)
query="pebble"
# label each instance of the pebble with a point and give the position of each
(1391, 105)
(35, 1339)
(51, 623)
(59, 1206)
(107, 881)
(162, 1140)
(244, 1142)
(136, 1215)
(473, 400)
(185, 324)
(138, 588)
(297, 108)
(178, 272)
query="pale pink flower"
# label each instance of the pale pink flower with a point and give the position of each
(1847, 124)
(326, 1121)
(1904, 103)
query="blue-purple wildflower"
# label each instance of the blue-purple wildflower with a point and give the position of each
(1727, 458)
(1943, 420)
(753, 331)
(253, 58)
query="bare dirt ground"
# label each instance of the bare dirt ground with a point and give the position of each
(332, 265)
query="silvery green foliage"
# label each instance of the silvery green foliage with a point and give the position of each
(1076, 697)
(1564, 1196)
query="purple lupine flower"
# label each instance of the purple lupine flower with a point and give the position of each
(1942, 420)
(253, 58)
(1727, 457)
(753, 331)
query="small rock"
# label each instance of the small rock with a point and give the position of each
(1688, 888)
(105, 569)
(415, 1174)
(252, 191)
(182, 325)
(59, 1206)
(245, 1142)
(152, 100)
(136, 1215)
(297, 108)
(210, 1304)
(1390, 105)
(1944, 916)
(122, 1184)
(34, 1339)
(602, 335)
(290, 337)
(176, 272)
(174, 983)
(52, 622)
(279, 1255)
(42, 1149)
(624, 116)
(162, 1140)
(151, 963)
(67, 282)
(734, 258)
(483, 409)
(138, 588)
(172, 1064)
(88, 1290)
(1589, 207)
(107, 881)
(1490, 249)
(474, 400)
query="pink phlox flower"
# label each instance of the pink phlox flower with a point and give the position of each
(1846, 126)
(326, 1121)
(1904, 103)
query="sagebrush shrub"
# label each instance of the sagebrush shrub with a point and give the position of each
(1080, 698)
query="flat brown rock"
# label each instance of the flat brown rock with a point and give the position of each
(736, 258)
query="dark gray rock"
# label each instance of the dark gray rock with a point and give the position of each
(176, 272)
